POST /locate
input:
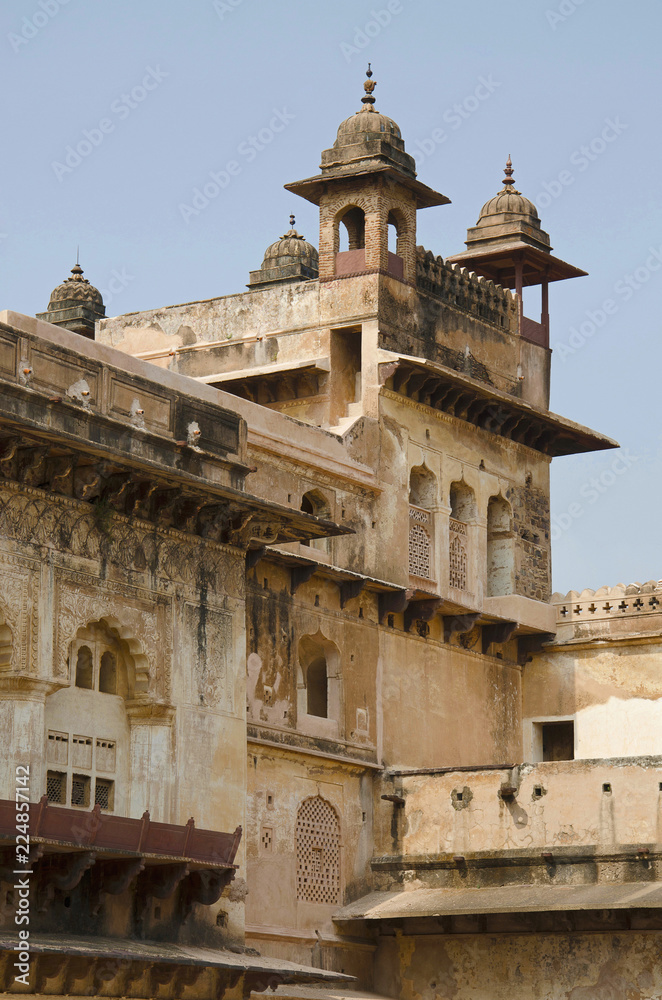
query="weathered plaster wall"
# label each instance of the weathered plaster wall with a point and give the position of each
(613, 691)
(434, 820)
(278, 922)
(521, 967)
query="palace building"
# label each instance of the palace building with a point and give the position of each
(277, 638)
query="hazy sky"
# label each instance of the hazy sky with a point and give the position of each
(116, 111)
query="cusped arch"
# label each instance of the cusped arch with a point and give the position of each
(422, 487)
(462, 501)
(500, 548)
(131, 659)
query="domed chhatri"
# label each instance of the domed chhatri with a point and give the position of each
(508, 245)
(75, 304)
(368, 137)
(291, 258)
(75, 289)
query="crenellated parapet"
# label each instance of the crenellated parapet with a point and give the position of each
(463, 289)
(609, 603)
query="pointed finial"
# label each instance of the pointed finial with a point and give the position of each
(369, 85)
(77, 255)
(509, 179)
(292, 221)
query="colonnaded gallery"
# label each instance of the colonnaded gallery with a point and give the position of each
(283, 680)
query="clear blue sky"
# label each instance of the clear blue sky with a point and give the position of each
(182, 87)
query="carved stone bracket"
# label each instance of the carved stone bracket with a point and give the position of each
(110, 878)
(157, 882)
(301, 574)
(421, 611)
(62, 872)
(499, 632)
(203, 886)
(350, 589)
(393, 602)
(527, 645)
(458, 624)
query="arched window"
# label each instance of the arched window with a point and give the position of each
(87, 734)
(352, 229)
(108, 673)
(463, 502)
(422, 487)
(314, 502)
(84, 668)
(319, 685)
(316, 688)
(500, 548)
(463, 510)
(422, 499)
(318, 852)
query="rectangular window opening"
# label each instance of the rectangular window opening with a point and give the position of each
(104, 793)
(56, 787)
(80, 790)
(558, 741)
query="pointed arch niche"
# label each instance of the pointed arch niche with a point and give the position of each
(423, 499)
(463, 513)
(319, 686)
(500, 548)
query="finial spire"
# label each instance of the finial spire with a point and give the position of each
(509, 180)
(78, 255)
(369, 85)
(292, 221)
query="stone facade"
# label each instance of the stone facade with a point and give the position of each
(313, 524)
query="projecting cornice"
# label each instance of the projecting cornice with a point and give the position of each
(445, 390)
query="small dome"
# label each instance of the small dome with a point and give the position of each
(290, 259)
(509, 201)
(291, 248)
(75, 290)
(368, 140)
(366, 123)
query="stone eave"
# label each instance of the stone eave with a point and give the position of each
(72, 443)
(496, 261)
(518, 898)
(312, 188)
(282, 367)
(136, 969)
(465, 398)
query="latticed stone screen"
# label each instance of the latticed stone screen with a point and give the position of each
(458, 554)
(318, 852)
(420, 543)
